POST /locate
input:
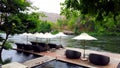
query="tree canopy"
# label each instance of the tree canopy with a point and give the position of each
(102, 15)
(13, 6)
(13, 19)
(96, 8)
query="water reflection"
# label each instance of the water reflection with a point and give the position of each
(58, 64)
(7, 60)
(14, 56)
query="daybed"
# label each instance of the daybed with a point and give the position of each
(72, 54)
(98, 59)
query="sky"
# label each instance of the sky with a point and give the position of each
(51, 6)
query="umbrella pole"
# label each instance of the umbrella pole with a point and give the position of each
(36, 41)
(48, 40)
(60, 41)
(27, 39)
(41, 39)
(84, 48)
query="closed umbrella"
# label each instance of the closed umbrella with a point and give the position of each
(84, 36)
(38, 35)
(26, 36)
(18, 39)
(60, 34)
(48, 36)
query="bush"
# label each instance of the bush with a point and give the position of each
(54, 31)
(44, 26)
(7, 46)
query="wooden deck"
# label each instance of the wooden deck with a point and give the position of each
(59, 55)
(13, 65)
(37, 61)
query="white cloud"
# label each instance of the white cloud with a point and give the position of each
(52, 6)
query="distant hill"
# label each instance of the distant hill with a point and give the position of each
(52, 17)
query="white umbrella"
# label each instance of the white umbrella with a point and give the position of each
(18, 40)
(48, 36)
(84, 36)
(60, 34)
(38, 35)
(26, 35)
(15, 37)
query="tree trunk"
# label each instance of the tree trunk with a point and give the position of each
(2, 46)
(1, 61)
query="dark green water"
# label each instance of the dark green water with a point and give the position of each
(9, 56)
(59, 64)
(104, 43)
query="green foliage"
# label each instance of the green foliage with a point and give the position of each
(29, 22)
(21, 23)
(8, 60)
(13, 6)
(73, 20)
(10, 9)
(71, 17)
(1, 39)
(76, 30)
(43, 27)
(13, 19)
(97, 8)
(102, 16)
(61, 23)
(10, 25)
(55, 32)
(7, 46)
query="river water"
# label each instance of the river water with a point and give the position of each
(104, 43)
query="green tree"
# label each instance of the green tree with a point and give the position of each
(12, 18)
(29, 21)
(71, 16)
(105, 14)
(61, 24)
(74, 19)
(97, 8)
(44, 26)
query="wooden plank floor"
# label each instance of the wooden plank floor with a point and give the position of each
(37, 61)
(59, 54)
